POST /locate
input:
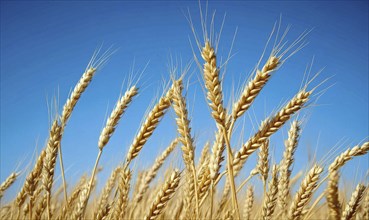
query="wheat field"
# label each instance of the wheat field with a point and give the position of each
(205, 187)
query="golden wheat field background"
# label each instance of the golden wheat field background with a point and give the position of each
(244, 162)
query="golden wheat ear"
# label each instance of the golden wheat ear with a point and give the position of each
(270, 199)
(353, 205)
(164, 195)
(188, 149)
(7, 183)
(332, 196)
(148, 127)
(247, 210)
(151, 174)
(285, 165)
(303, 195)
(269, 127)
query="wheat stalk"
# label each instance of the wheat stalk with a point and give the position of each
(164, 195)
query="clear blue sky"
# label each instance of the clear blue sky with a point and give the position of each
(45, 47)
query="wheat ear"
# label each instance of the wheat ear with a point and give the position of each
(213, 84)
(40, 208)
(332, 186)
(269, 128)
(115, 116)
(215, 96)
(204, 156)
(348, 155)
(353, 205)
(109, 129)
(82, 84)
(217, 156)
(164, 195)
(262, 166)
(81, 204)
(188, 149)
(286, 163)
(271, 196)
(7, 183)
(365, 206)
(32, 180)
(148, 127)
(303, 195)
(153, 170)
(68, 107)
(102, 205)
(49, 163)
(123, 191)
(204, 180)
(248, 203)
(73, 197)
(254, 87)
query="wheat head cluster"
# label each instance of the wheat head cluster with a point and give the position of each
(202, 189)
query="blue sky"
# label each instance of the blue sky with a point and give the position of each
(45, 47)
